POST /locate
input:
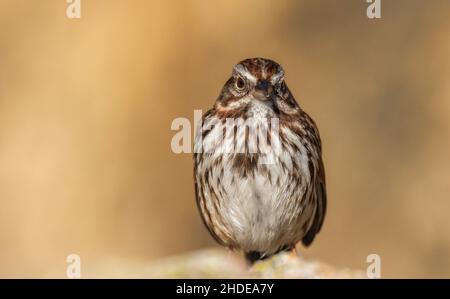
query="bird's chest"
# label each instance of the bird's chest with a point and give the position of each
(261, 191)
(258, 193)
(264, 207)
(261, 197)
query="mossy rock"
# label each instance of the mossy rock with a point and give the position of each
(216, 263)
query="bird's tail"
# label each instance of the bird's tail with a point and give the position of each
(253, 256)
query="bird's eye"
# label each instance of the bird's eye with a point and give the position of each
(240, 83)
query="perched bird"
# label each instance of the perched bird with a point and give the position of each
(259, 202)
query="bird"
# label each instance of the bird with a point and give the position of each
(258, 201)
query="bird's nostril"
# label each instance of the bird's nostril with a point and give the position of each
(262, 85)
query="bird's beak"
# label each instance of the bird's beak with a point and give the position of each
(263, 90)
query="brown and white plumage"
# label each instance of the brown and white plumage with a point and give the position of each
(246, 204)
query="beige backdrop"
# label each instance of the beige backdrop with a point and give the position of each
(86, 107)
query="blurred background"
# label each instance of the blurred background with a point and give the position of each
(86, 107)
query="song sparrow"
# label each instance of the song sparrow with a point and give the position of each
(259, 207)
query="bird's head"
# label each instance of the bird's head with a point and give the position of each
(255, 79)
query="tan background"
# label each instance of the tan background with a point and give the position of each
(86, 107)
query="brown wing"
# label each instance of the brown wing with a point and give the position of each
(209, 218)
(201, 205)
(320, 197)
(319, 192)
